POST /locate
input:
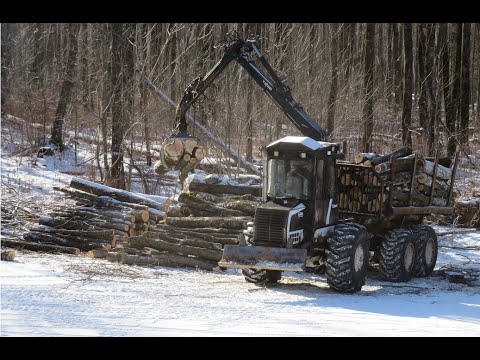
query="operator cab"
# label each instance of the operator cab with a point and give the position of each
(299, 191)
(289, 179)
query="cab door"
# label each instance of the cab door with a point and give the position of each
(331, 216)
(326, 206)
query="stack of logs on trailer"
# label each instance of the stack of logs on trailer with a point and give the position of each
(399, 179)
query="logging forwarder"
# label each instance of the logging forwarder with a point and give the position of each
(303, 224)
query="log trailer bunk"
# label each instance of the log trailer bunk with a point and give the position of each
(302, 223)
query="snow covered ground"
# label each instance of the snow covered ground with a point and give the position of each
(64, 295)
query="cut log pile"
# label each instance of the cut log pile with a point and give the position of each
(366, 187)
(101, 217)
(132, 229)
(192, 235)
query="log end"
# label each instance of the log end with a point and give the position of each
(97, 254)
(8, 255)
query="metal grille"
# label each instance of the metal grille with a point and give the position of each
(270, 227)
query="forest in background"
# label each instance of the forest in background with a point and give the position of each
(374, 86)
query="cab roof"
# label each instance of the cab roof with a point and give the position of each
(299, 143)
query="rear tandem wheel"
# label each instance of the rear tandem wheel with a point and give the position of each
(426, 247)
(398, 255)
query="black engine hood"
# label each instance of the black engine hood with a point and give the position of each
(291, 203)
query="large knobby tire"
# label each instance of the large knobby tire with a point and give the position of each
(347, 254)
(397, 255)
(258, 276)
(426, 247)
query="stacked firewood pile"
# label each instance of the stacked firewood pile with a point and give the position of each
(193, 233)
(101, 217)
(365, 190)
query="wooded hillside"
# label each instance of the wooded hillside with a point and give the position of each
(375, 86)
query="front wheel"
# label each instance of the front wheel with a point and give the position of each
(347, 254)
(259, 276)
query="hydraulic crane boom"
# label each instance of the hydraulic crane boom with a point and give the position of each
(279, 92)
(241, 51)
(181, 150)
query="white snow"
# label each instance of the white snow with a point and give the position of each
(305, 141)
(64, 295)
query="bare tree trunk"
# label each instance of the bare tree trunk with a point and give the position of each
(389, 64)
(204, 47)
(66, 91)
(146, 42)
(129, 76)
(281, 31)
(117, 175)
(408, 87)
(368, 85)
(427, 106)
(38, 54)
(173, 56)
(106, 96)
(465, 101)
(423, 74)
(251, 29)
(350, 56)
(434, 85)
(397, 66)
(332, 98)
(83, 65)
(249, 92)
(379, 74)
(457, 84)
(6, 63)
(311, 58)
(129, 91)
(447, 94)
(436, 88)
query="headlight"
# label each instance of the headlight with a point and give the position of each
(296, 222)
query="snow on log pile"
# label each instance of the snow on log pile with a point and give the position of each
(193, 233)
(404, 162)
(101, 217)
